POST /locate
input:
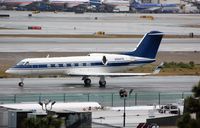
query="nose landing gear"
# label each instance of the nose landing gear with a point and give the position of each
(21, 83)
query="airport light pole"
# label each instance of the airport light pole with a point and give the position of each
(124, 121)
(45, 104)
(123, 94)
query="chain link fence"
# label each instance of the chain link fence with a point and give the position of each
(105, 99)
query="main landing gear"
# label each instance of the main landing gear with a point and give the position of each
(102, 82)
(87, 82)
(21, 83)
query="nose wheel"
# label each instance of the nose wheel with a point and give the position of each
(21, 84)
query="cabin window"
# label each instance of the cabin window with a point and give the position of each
(60, 65)
(84, 64)
(35, 66)
(68, 65)
(42, 66)
(53, 65)
(76, 64)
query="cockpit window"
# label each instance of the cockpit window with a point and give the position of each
(27, 63)
(21, 63)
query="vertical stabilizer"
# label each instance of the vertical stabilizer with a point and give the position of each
(148, 46)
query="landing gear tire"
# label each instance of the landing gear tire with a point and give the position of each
(102, 84)
(21, 84)
(87, 83)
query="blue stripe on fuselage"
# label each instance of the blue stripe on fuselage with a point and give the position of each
(91, 64)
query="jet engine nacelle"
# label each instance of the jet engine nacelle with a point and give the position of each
(112, 58)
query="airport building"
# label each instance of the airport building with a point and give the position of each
(70, 114)
(17, 118)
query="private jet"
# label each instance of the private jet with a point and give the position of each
(99, 65)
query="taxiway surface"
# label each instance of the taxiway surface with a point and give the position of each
(89, 23)
(91, 44)
(70, 23)
(75, 85)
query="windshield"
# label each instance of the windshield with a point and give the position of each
(23, 63)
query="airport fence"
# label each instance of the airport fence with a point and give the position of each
(106, 99)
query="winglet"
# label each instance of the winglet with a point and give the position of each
(158, 68)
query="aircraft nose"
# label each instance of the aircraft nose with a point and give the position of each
(9, 71)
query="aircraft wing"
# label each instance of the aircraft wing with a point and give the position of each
(109, 74)
(156, 71)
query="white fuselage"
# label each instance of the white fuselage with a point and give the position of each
(92, 63)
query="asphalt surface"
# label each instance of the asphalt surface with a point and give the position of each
(70, 23)
(75, 85)
(89, 23)
(90, 45)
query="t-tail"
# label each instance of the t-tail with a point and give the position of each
(148, 46)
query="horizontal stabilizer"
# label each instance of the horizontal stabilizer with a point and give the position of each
(158, 68)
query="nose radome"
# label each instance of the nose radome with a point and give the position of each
(12, 71)
(8, 71)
